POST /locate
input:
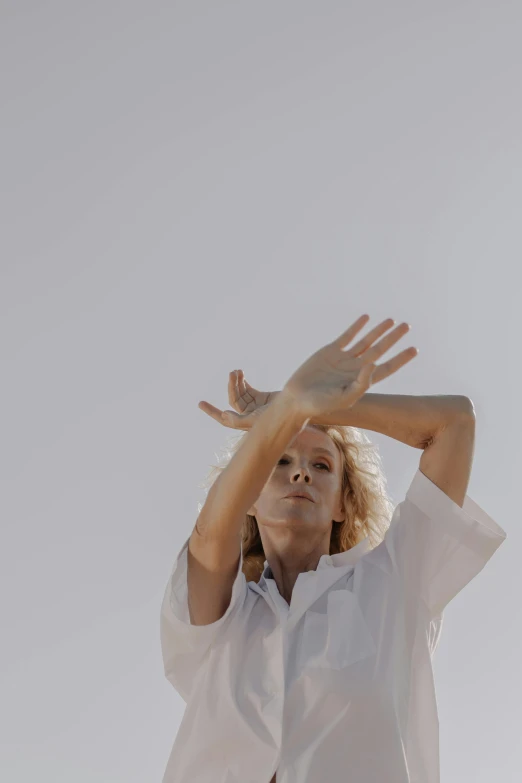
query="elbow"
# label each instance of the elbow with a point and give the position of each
(466, 408)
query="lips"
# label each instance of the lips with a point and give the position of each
(301, 495)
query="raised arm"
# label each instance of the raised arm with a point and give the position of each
(214, 545)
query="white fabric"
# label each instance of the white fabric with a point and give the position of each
(338, 686)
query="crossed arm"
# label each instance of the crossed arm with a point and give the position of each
(443, 426)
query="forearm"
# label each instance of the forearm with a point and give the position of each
(241, 482)
(412, 419)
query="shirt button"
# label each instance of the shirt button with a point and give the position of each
(328, 560)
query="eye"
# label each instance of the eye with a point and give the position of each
(323, 464)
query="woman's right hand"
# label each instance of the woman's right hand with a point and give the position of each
(248, 403)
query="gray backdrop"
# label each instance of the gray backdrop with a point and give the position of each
(194, 187)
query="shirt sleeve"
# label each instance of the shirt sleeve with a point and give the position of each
(184, 646)
(437, 546)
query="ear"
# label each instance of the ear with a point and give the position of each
(340, 514)
(252, 511)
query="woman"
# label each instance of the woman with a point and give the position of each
(318, 666)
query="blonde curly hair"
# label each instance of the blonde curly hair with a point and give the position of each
(365, 497)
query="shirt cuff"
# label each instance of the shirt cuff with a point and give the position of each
(178, 594)
(470, 524)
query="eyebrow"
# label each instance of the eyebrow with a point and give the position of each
(320, 450)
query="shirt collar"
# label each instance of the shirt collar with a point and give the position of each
(338, 560)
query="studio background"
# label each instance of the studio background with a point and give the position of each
(193, 187)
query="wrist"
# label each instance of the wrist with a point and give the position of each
(290, 406)
(344, 416)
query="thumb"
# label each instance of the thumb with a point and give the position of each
(238, 421)
(365, 376)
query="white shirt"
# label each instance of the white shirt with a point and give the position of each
(338, 685)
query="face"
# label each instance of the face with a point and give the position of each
(313, 464)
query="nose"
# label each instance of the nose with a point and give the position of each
(301, 473)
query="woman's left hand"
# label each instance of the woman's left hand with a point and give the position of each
(333, 378)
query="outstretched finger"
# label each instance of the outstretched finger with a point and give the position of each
(236, 421)
(242, 390)
(388, 368)
(380, 348)
(233, 392)
(211, 410)
(347, 336)
(369, 339)
(241, 383)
